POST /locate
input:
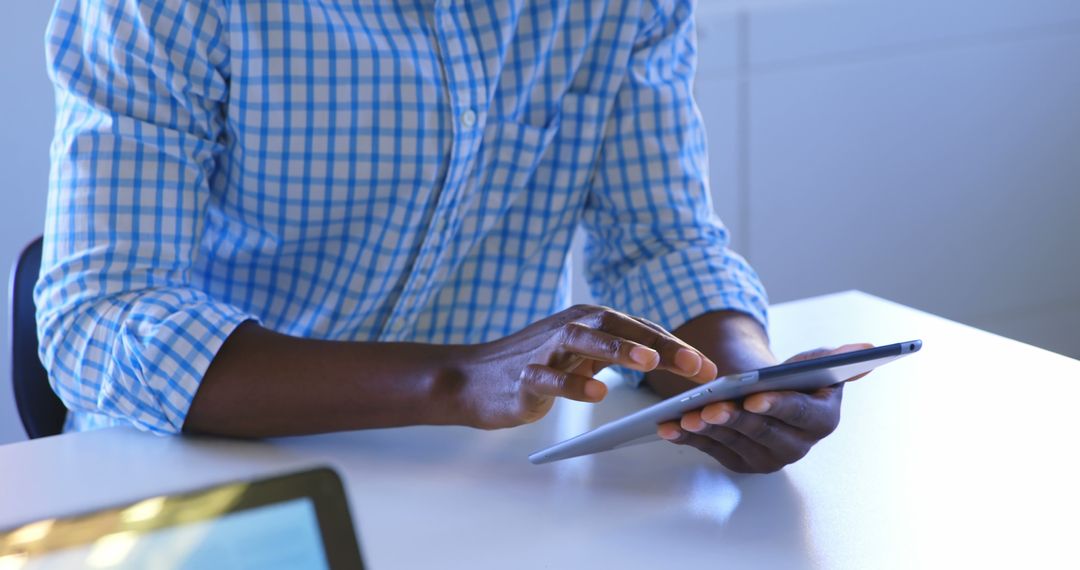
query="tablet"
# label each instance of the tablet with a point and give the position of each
(297, 520)
(803, 376)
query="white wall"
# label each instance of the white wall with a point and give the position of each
(26, 120)
(923, 150)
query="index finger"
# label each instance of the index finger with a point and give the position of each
(675, 355)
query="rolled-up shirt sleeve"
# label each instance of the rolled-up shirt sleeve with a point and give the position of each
(655, 246)
(140, 88)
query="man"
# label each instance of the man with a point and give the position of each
(286, 217)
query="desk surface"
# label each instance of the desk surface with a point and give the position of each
(939, 461)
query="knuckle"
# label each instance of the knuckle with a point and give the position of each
(739, 468)
(645, 321)
(723, 436)
(764, 431)
(582, 308)
(660, 329)
(608, 318)
(830, 426)
(770, 468)
(700, 443)
(799, 412)
(593, 311)
(829, 423)
(537, 376)
(838, 394)
(552, 380)
(531, 373)
(656, 327)
(737, 422)
(572, 333)
(682, 440)
(581, 313)
(793, 455)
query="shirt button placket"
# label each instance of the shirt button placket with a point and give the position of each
(468, 118)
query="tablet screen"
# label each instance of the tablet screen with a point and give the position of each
(281, 536)
(299, 520)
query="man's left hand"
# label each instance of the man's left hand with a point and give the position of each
(767, 430)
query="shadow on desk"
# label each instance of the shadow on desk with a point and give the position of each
(630, 491)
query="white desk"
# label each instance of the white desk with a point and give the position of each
(937, 463)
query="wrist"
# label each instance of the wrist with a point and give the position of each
(456, 372)
(445, 381)
(734, 341)
(736, 354)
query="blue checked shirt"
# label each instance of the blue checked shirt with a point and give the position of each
(368, 170)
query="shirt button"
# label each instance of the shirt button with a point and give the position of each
(468, 118)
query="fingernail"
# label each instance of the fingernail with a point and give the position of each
(670, 435)
(715, 417)
(695, 426)
(688, 361)
(644, 356)
(759, 406)
(594, 389)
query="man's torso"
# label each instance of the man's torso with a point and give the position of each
(402, 170)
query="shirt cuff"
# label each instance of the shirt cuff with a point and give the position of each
(675, 288)
(171, 356)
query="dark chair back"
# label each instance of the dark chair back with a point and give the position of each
(41, 411)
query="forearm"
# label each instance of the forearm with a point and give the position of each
(733, 340)
(263, 384)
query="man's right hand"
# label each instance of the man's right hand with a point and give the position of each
(262, 383)
(515, 380)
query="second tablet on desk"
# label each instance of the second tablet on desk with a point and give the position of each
(298, 520)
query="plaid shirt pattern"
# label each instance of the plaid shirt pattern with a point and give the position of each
(368, 170)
